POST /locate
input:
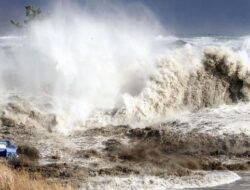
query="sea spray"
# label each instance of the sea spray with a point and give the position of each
(102, 68)
(72, 64)
(222, 78)
(83, 60)
(184, 80)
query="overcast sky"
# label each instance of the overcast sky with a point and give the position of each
(222, 17)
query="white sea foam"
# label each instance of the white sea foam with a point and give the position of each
(208, 179)
(220, 121)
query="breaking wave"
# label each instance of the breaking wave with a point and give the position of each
(84, 59)
(103, 67)
(220, 78)
(185, 79)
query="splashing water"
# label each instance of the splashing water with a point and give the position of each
(83, 60)
(111, 65)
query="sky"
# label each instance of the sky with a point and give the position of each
(190, 17)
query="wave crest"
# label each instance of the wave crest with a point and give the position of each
(221, 78)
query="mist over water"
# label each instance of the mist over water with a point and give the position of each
(107, 56)
(83, 58)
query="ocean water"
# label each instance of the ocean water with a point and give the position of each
(202, 82)
(215, 179)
